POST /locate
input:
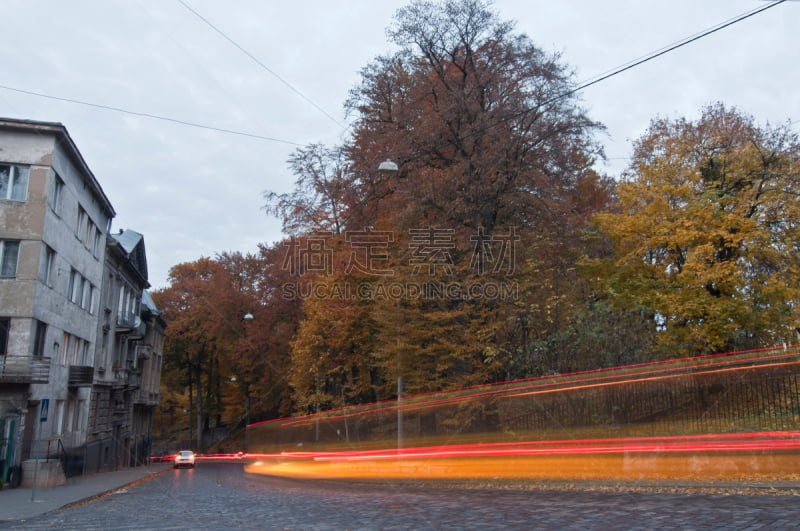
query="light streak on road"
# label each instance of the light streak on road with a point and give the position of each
(557, 452)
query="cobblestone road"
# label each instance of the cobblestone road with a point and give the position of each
(222, 496)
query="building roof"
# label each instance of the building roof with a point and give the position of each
(131, 244)
(128, 239)
(147, 302)
(68, 145)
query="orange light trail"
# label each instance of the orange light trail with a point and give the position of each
(688, 443)
(771, 455)
(766, 456)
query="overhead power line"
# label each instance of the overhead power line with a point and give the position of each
(149, 115)
(259, 63)
(581, 86)
(665, 50)
(620, 69)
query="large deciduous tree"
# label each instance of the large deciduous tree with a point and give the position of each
(482, 122)
(491, 143)
(706, 233)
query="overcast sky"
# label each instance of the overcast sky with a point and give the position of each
(194, 192)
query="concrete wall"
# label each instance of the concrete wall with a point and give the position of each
(37, 222)
(62, 197)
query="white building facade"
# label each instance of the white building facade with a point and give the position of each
(55, 221)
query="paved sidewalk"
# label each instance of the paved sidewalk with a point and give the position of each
(21, 504)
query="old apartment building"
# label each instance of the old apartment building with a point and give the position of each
(79, 351)
(128, 359)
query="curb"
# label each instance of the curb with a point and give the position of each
(95, 497)
(87, 499)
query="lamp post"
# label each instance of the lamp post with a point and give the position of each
(390, 168)
(246, 317)
(246, 412)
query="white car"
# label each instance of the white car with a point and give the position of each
(184, 458)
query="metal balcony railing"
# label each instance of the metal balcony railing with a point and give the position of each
(24, 369)
(126, 320)
(80, 375)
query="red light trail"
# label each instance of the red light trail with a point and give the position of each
(408, 401)
(769, 454)
(563, 386)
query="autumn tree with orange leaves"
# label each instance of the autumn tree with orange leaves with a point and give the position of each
(493, 250)
(493, 187)
(227, 340)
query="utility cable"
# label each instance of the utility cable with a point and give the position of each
(581, 86)
(663, 51)
(149, 115)
(611, 73)
(259, 63)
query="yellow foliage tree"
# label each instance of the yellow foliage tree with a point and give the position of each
(706, 233)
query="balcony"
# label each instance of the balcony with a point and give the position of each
(127, 378)
(24, 369)
(127, 321)
(146, 398)
(80, 376)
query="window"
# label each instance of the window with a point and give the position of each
(81, 291)
(48, 263)
(5, 325)
(85, 354)
(73, 352)
(83, 218)
(59, 417)
(123, 301)
(38, 339)
(91, 231)
(88, 232)
(58, 190)
(74, 285)
(66, 345)
(9, 251)
(13, 182)
(96, 243)
(86, 295)
(93, 301)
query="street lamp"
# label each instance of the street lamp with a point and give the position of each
(389, 167)
(246, 317)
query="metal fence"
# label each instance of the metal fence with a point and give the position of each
(96, 456)
(742, 392)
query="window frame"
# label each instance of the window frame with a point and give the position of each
(39, 339)
(5, 333)
(81, 225)
(58, 192)
(96, 242)
(48, 266)
(17, 174)
(4, 246)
